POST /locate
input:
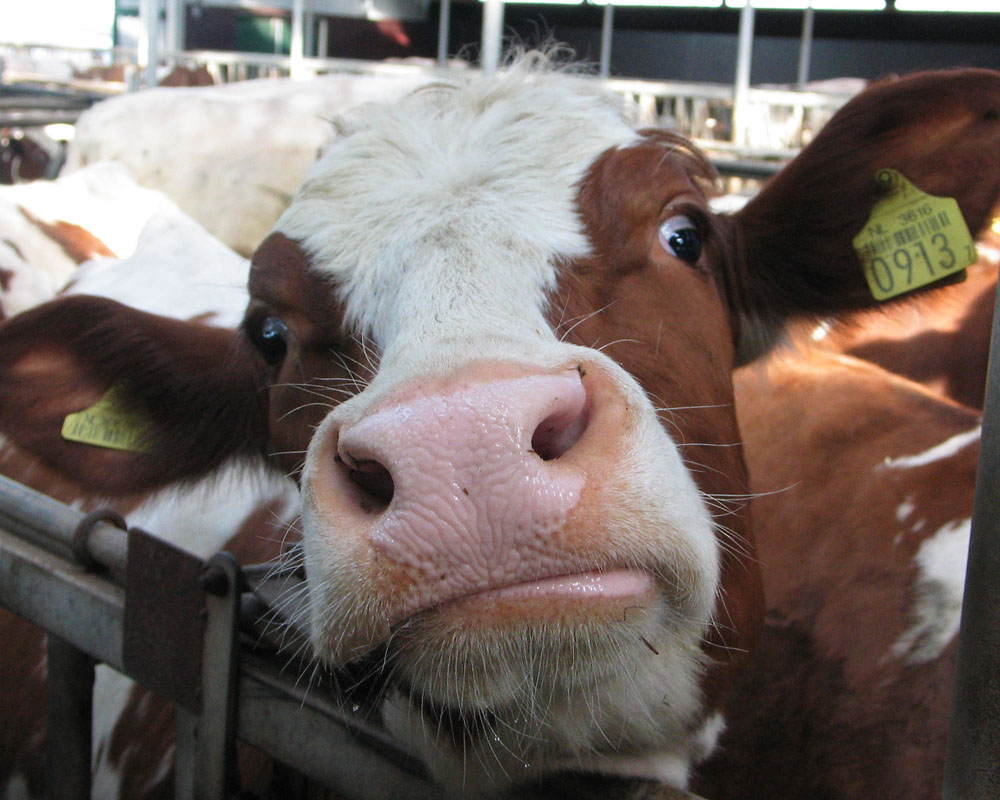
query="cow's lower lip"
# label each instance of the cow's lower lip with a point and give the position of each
(582, 589)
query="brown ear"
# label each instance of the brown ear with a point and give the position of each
(200, 389)
(941, 130)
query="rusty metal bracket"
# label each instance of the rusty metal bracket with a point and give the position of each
(164, 619)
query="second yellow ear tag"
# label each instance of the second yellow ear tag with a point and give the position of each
(911, 238)
(109, 423)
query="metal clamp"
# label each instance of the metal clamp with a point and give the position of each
(81, 535)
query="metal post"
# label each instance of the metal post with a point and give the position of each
(741, 86)
(297, 49)
(972, 769)
(68, 719)
(444, 28)
(215, 758)
(148, 46)
(175, 26)
(607, 32)
(805, 48)
(323, 38)
(489, 58)
(310, 33)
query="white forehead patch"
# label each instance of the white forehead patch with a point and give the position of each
(458, 201)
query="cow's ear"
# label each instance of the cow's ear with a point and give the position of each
(120, 401)
(793, 243)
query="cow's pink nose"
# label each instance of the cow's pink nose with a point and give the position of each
(467, 483)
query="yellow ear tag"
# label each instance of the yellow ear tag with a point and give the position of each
(911, 238)
(109, 423)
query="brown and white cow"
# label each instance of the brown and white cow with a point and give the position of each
(493, 337)
(864, 485)
(179, 270)
(49, 228)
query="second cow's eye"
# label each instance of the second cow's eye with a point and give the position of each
(680, 237)
(272, 340)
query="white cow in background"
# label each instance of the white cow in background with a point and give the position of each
(230, 156)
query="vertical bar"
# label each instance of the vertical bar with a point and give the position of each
(741, 86)
(214, 766)
(297, 49)
(323, 38)
(444, 29)
(175, 27)
(68, 721)
(148, 45)
(184, 754)
(310, 33)
(805, 47)
(972, 769)
(489, 58)
(607, 32)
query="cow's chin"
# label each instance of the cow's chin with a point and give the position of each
(486, 651)
(508, 692)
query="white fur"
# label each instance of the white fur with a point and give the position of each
(945, 449)
(938, 591)
(443, 219)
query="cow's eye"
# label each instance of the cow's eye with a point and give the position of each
(680, 237)
(272, 339)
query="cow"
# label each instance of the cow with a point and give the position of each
(179, 270)
(230, 156)
(863, 488)
(492, 338)
(49, 228)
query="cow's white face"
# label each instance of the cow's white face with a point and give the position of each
(498, 517)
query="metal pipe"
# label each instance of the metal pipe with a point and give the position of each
(607, 33)
(323, 38)
(741, 85)
(805, 47)
(52, 525)
(444, 30)
(148, 45)
(297, 47)
(972, 768)
(69, 695)
(175, 27)
(489, 58)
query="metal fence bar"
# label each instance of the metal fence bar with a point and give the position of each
(972, 770)
(69, 696)
(305, 724)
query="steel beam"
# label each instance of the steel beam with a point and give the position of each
(972, 770)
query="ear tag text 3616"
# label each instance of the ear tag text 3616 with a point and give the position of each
(911, 239)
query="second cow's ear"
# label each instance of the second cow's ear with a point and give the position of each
(792, 243)
(121, 401)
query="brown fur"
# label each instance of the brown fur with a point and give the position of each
(826, 709)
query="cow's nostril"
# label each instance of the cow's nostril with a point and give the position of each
(374, 481)
(559, 431)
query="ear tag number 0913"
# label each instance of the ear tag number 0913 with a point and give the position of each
(109, 423)
(911, 239)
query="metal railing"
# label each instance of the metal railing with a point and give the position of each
(111, 596)
(198, 633)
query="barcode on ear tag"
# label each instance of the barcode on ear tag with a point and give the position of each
(109, 423)
(911, 239)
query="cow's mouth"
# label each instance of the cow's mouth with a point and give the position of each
(556, 597)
